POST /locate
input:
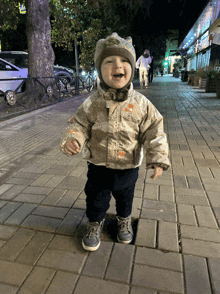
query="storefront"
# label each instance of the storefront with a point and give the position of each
(197, 47)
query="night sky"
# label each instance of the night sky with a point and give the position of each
(172, 14)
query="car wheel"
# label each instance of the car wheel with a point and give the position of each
(89, 84)
(63, 84)
(10, 97)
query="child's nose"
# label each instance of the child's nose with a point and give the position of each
(118, 64)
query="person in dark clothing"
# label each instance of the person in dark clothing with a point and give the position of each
(151, 71)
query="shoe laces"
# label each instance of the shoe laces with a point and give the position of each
(93, 229)
(123, 223)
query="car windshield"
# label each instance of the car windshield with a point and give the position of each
(18, 59)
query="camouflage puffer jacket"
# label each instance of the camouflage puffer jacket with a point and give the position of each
(114, 134)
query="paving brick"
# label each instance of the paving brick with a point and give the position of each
(166, 193)
(41, 223)
(146, 233)
(205, 217)
(157, 258)
(196, 275)
(137, 290)
(8, 289)
(159, 205)
(63, 260)
(4, 188)
(68, 199)
(97, 286)
(16, 244)
(32, 176)
(13, 273)
(214, 271)
(66, 243)
(2, 203)
(19, 181)
(38, 281)
(194, 183)
(180, 181)
(7, 210)
(62, 283)
(13, 192)
(20, 214)
(42, 180)
(189, 192)
(7, 231)
(161, 214)
(97, 261)
(192, 200)
(200, 233)
(158, 279)
(71, 222)
(151, 191)
(119, 268)
(34, 248)
(200, 248)
(214, 198)
(29, 198)
(38, 190)
(168, 236)
(206, 162)
(54, 181)
(54, 197)
(186, 214)
(217, 214)
(48, 211)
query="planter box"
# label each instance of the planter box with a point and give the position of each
(211, 86)
(218, 88)
(191, 79)
(184, 76)
(196, 80)
(203, 82)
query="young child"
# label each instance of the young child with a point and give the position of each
(111, 128)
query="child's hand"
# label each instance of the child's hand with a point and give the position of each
(157, 172)
(71, 147)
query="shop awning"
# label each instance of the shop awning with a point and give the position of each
(215, 27)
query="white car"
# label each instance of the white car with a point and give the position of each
(11, 79)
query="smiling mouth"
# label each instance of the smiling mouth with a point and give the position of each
(118, 75)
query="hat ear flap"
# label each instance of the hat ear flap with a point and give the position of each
(129, 39)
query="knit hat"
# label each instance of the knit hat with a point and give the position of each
(114, 45)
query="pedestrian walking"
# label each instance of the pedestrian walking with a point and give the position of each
(112, 128)
(151, 70)
(143, 65)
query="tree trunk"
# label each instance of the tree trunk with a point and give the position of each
(40, 53)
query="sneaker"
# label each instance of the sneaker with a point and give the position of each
(125, 232)
(91, 240)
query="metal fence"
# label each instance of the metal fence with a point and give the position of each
(52, 90)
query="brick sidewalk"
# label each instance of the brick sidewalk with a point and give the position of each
(176, 217)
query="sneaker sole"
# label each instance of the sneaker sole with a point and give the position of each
(124, 242)
(89, 248)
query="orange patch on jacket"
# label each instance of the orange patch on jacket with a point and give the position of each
(120, 154)
(72, 132)
(130, 108)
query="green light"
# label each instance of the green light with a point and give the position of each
(165, 63)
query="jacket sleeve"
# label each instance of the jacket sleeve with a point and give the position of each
(79, 128)
(154, 139)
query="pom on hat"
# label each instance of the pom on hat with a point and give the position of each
(114, 45)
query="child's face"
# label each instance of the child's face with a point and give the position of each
(116, 71)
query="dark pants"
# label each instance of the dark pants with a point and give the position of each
(101, 183)
(150, 76)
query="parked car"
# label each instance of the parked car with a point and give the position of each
(20, 59)
(16, 80)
